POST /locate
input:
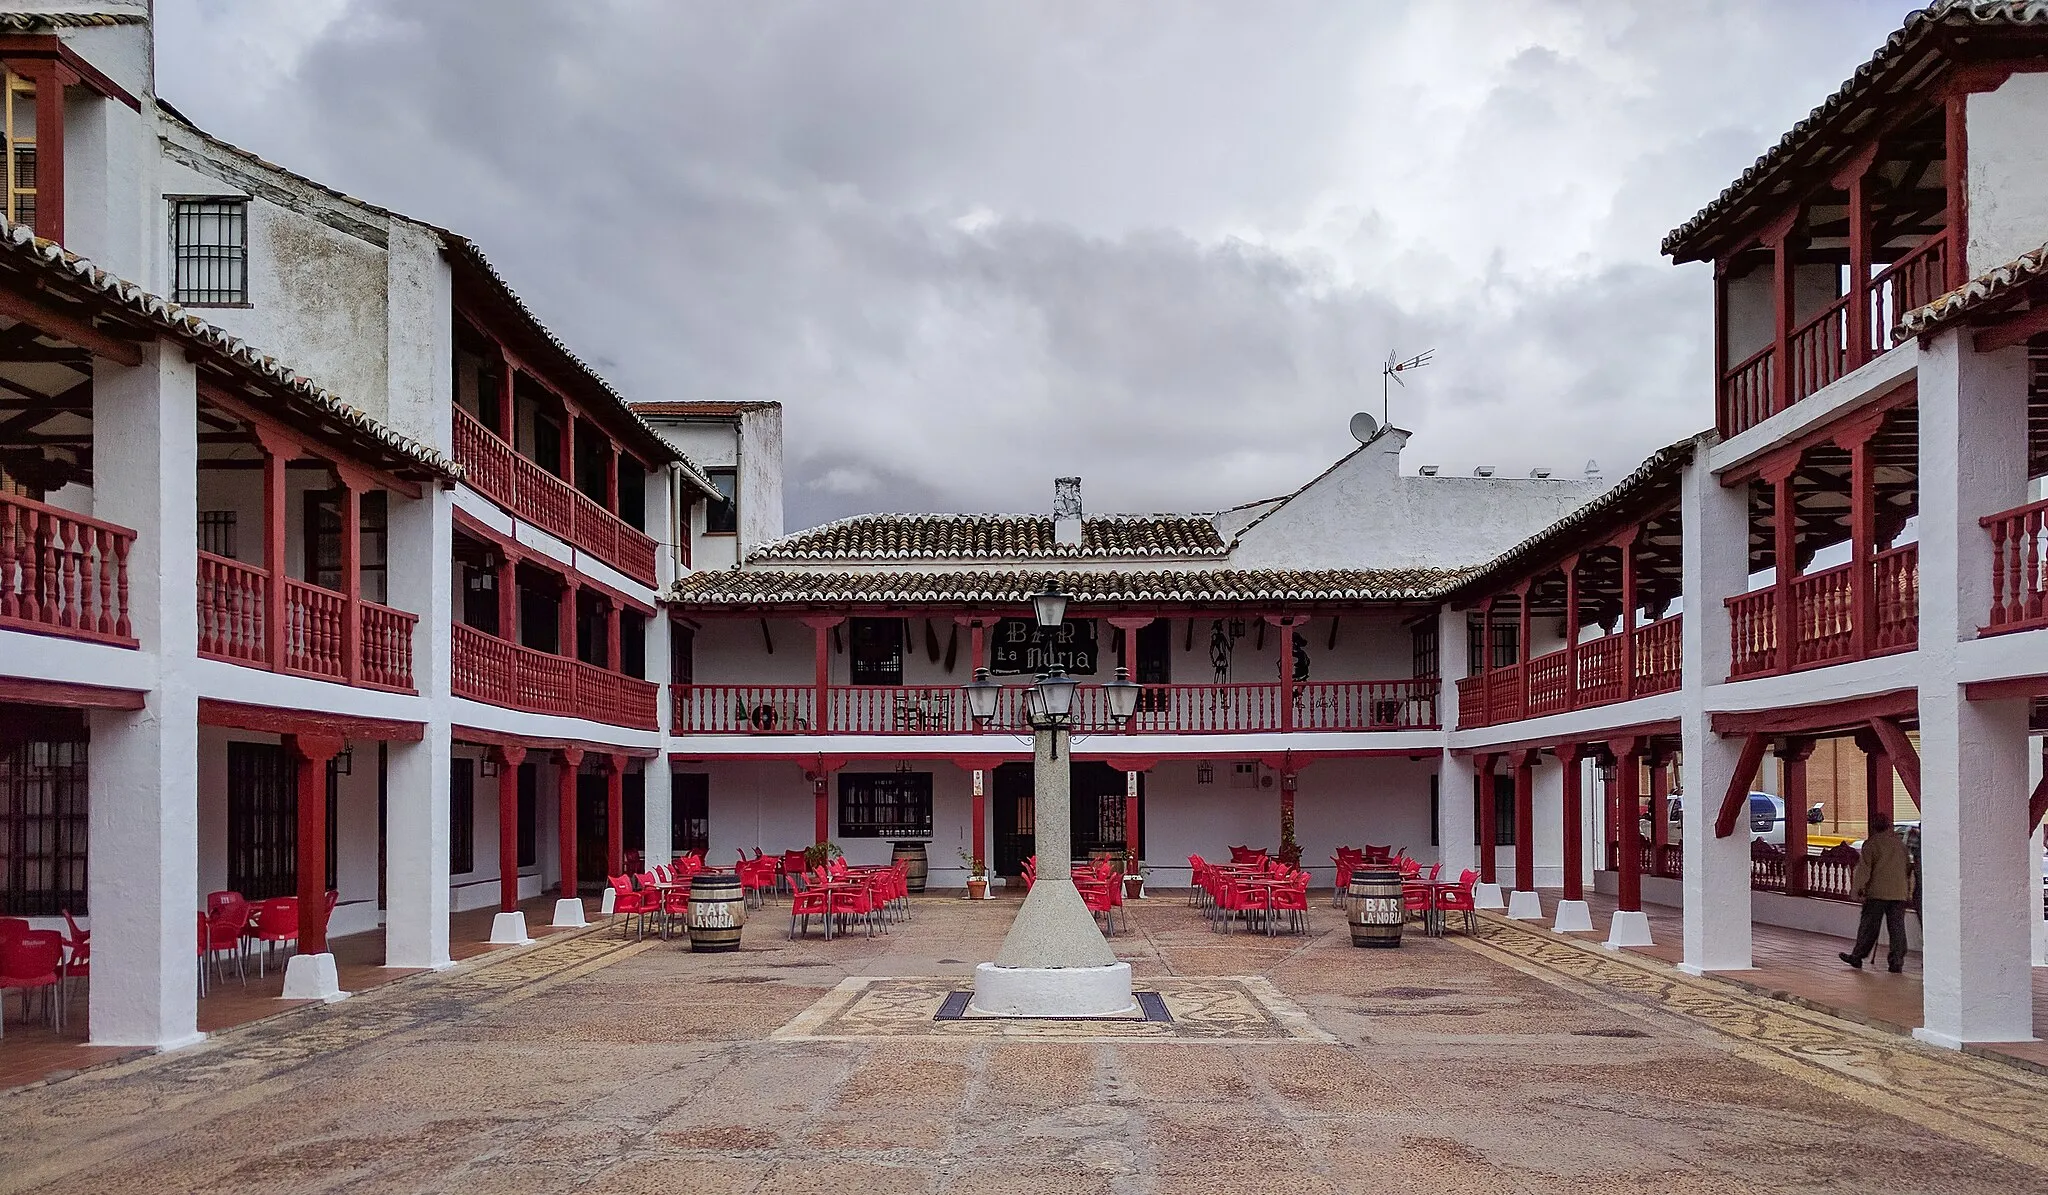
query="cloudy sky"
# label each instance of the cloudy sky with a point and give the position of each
(971, 246)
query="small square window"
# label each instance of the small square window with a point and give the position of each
(210, 251)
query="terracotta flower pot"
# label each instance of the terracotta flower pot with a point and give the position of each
(1134, 887)
(977, 889)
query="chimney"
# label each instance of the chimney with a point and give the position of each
(1482, 471)
(1066, 510)
(1593, 472)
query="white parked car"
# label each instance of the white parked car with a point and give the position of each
(1766, 818)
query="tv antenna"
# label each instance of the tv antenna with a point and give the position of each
(1394, 368)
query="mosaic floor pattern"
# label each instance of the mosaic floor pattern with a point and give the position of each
(1234, 1009)
(1998, 1107)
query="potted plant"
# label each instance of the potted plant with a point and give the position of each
(1134, 879)
(977, 875)
(818, 854)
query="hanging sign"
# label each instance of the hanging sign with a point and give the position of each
(1020, 646)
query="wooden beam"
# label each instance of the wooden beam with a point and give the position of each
(270, 720)
(1905, 760)
(61, 326)
(2037, 804)
(2017, 330)
(2005, 690)
(1735, 802)
(31, 691)
(1811, 719)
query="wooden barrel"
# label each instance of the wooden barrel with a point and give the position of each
(1372, 904)
(911, 854)
(718, 909)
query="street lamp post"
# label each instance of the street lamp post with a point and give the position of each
(1054, 962)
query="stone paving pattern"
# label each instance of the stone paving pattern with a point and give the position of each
(1516, 1063)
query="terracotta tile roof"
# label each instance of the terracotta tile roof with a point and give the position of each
(65, 269)
(878, 587)
(703, 407)
(1927, 34)
(463, 251)
(21, 21)
(1653, 485)
(1980, 292)
(997, 537)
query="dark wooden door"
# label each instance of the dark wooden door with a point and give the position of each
(1015, 839)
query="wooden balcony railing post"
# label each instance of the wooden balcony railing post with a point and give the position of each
(1574, 692)
(1859, 340)
(275, 454)
(1522, 646)
(1626, 541)
(1785, 561)
(1784, 298)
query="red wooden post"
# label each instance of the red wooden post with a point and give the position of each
(614, 614)
(975, 849)
(1792, 757)
(276, 451)
(507, 414)
(351, 575)
(1627, 543)
(509, 759)
(1859, 264)
(1862, 533)
(615, 813)
(565, 622)
(1782, 306)
(313, 752)
(1488, 714)
(1785, 554)
(1955, 175)
(611, 477)
(508, 596)
(1489, 833)
(1628, 799)
(821, 679)
(1571, 814)
(49, 81)
(1131, 836)
(567, 461)
(1877, 776)
(1660, 805)
(1571, 636)
(565, 818)
(1525, 819)
(821, 819)
(1285, 626)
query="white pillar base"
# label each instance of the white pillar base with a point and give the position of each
(1053, 991)
(312, 977)
(1628, 929)
(1525, 906)
(604, 904)
(509, 929)
(1573, 917)
(1487, 896)
(569, 913)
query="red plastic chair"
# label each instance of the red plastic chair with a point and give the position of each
(1459, 900)
(628, 901)
(223, 930)
(792, 869)
(1292, 900)
(1234, 899)
(33, 961)
(854, 901)
(272, 922)
(77, 955)
(13, 927)
(1095, 895)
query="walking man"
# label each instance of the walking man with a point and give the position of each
(1884, 883)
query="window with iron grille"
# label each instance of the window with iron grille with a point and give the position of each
(1423, 647)
(461, 816)
(529, 814)
(217, 532)
(689, 818)
(1506, 644)
(885, 805)
(263, 821)
(210, 251)
(42, 828)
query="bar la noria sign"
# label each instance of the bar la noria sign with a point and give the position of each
(1021, 647)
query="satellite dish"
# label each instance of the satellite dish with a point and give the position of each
(1364, 427)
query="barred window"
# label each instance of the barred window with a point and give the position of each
(217, 532)
(210, 251)
(42, 826)
(885, 805)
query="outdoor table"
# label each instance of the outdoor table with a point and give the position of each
(661, 890)
(1432, 917)
(828, 889)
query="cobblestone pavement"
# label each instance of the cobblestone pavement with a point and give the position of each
(1514, 1063)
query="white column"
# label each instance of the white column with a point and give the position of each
(1976, 912)
(1716, 883)
(143, 770)
(658, 780)
(416, 789)
(1455, 827)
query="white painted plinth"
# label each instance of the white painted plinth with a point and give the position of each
(569, 913)
(1487, 896)
(1053, 991)
(1525, 906)
(312, 977)
(509, 929)
(1628, 929)
(605, 903)
(1573, 916)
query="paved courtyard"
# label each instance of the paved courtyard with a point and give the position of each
(1518, 1062)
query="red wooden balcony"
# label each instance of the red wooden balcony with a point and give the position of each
(490, 670)
(1498, 696)
(234, 626)
(1823, 628)
(1821, 349)
(62, 573)
(548, 502)
(2019, 593)
(1344, 706)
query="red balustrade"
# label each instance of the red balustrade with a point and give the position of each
(743, 709)
(1828, 873)
(1208, 709)
(313, 619)
(1660, 657)
(548, 502)
(1895, 576)
(1823, 617)
(1550, 683)
(1601, 679)
(1914, 280)
(1472, 701)
(63, 573)
(1665, 862)
(1747, 397)
(1819, 349)
(387, 647)
(488, 669)
(2019, 594)
(1753, 633)
(231, 610)
(902, 709)
(1366, 704)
